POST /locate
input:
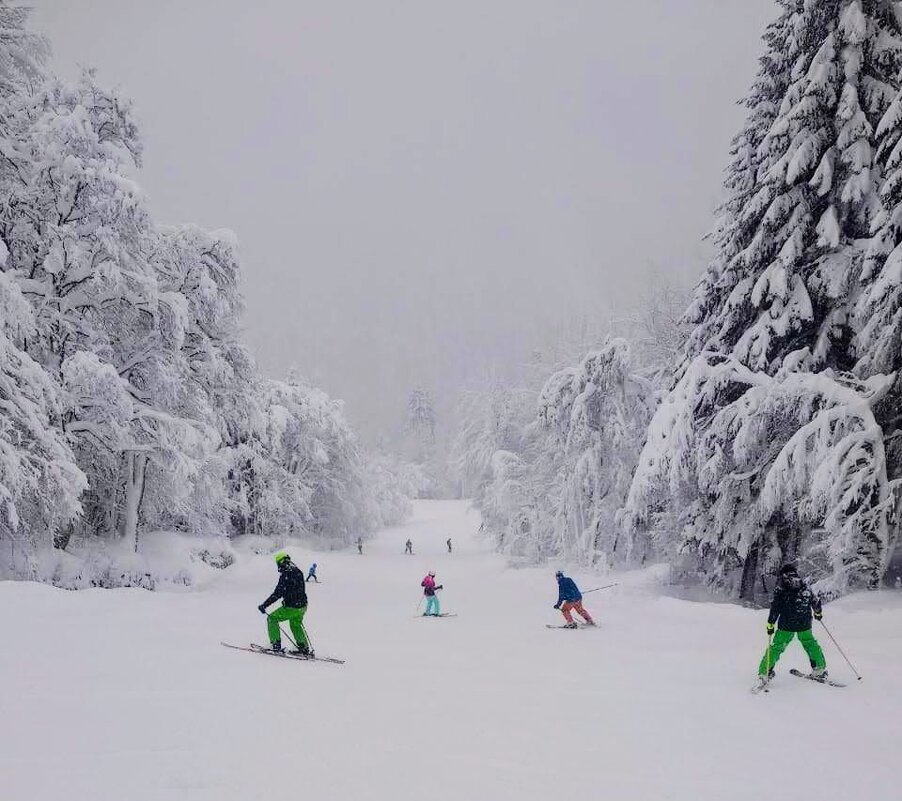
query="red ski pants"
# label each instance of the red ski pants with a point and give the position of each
(569, 606)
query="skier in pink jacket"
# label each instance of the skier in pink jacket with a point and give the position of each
(429, 587)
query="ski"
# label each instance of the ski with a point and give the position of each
(259, 649)
(571, 628)
(808, 676)
(443, 614)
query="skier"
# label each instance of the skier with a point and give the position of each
(791, 611)
(429, 587)
(292, 590)
(569, 595)
(448, 543)
(408, 547)
(312, 573)
(360, 545)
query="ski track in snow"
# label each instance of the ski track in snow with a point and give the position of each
(127, 695)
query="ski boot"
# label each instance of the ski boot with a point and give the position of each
(571, 625)
(303, 650)
(819, 674)
(277, 647)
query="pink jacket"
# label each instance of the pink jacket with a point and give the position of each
(428, 585)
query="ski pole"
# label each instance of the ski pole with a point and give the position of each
(857, 675)
(606, 586)
(290, 638)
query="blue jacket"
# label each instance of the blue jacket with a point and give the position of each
(567, 590)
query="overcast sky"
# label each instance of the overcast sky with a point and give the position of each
(424, 189)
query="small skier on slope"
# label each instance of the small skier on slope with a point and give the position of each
(569, 598)
(448, 543)
(791, 610)
(360, 545)
(429, 587)
(408, 547)
(311, 574)
(292, 590)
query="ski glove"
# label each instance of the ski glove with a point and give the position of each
(557, 606)
(262, 608)
(770, 629)
(818, 615)
(440, 587)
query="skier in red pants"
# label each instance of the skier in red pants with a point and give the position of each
(570, 598)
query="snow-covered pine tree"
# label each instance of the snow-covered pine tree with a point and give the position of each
(420, 424)
(878, 310)
(776, 309)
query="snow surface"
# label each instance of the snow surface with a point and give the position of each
(126, 694)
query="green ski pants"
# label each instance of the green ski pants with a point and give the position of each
(295, 617)
(778, 646)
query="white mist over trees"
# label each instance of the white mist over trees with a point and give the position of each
(128, 403)
(775, 433)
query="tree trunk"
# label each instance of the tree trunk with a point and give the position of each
(748, 584)
(62, 537)
(134, 494)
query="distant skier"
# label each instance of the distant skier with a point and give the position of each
(569, 595)
(408, 547)
(360, 545)
(429, 588)
(292, 590)
(448, 543)
(311, 574)
(791, 610)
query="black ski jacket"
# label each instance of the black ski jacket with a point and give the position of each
(292, 588)
(792, 606)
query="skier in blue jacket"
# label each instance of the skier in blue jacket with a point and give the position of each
(569, 598)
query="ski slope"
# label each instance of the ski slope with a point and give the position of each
(125, 695)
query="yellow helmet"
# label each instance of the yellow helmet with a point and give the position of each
(281, 556)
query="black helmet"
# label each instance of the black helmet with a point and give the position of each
(559, 574)
(789, 577)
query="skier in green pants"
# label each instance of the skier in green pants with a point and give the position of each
(791, 610)
(292, 590)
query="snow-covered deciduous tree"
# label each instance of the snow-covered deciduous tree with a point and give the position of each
(40, 483)
(319, 480)
(594, 416)
(127, 402)
(392, 485)
(22, 53)
(489, 421)
(552, 484)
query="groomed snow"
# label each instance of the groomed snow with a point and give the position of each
(121, 695)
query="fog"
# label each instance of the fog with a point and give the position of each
(425, 191)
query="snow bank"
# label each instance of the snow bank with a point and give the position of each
(122, 694)
(166, 560)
